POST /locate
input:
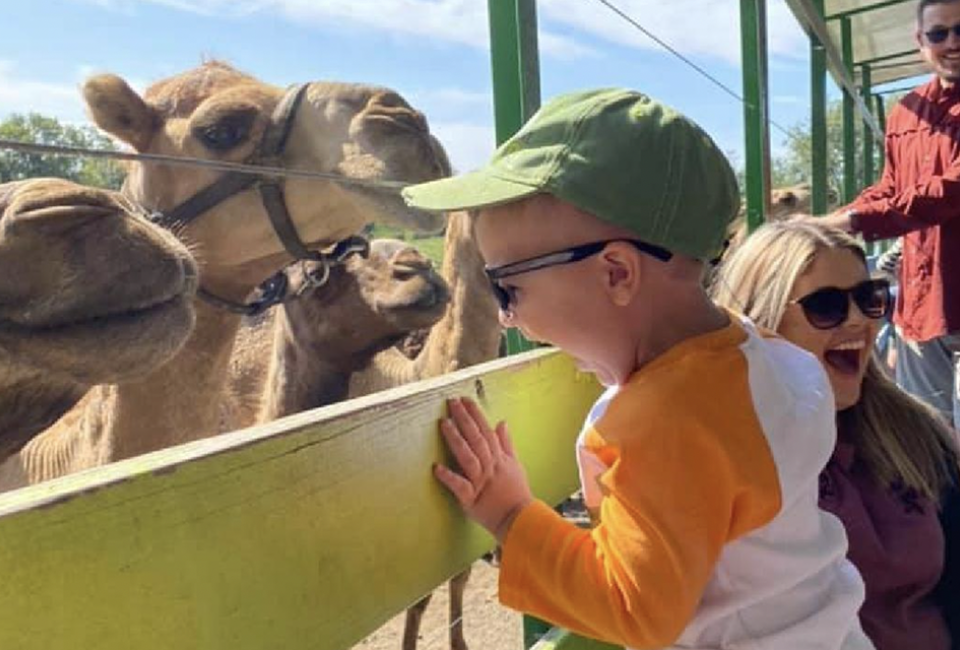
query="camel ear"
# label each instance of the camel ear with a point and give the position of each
(117, 109)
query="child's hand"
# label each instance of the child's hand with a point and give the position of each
(490, 486)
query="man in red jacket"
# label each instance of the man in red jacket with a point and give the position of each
(918, 197)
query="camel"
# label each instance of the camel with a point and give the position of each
(469, 333)
(90, 292)
(216, 112)
(302, 355)
(784, 203)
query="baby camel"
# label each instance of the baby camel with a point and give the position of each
(303, 355)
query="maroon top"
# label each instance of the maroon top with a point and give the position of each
(896, 543)
(919, 196)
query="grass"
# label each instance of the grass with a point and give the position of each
(431, 246)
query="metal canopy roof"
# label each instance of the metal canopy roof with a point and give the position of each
(882, 31)
(883, 36)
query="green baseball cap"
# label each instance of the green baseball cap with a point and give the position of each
(617, 154)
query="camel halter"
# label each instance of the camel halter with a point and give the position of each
(269, 152)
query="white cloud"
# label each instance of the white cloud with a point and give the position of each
(692, 27)
(458, 21)
(786, 99)
(56, 99)
(456, 98)
(468, 145)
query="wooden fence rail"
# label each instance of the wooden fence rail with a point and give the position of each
(308, 532)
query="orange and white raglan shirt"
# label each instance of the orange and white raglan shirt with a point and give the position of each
(704, 468)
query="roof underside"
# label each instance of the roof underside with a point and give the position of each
(883, 36)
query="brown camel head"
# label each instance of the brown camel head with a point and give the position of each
(90, 293)
(368, 304)
(216, 112)
(785, 202)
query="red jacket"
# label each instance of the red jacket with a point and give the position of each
(919, 196)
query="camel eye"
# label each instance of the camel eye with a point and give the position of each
(225, 133)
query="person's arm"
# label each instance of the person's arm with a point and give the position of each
(884, 188)
(672, 501)
(933, 202)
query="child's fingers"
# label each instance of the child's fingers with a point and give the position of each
(476, 413)
(462, 451)
(503, 437)
(472, 432)
(460, 487)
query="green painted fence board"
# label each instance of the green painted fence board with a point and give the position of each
(308, 532)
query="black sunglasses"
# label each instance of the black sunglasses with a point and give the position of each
(829, 307)
(939, 34)
(565, 256)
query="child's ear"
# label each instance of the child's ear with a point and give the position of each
(622, 270)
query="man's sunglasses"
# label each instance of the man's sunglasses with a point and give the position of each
(829, 307)
(939, 34)
(565, 256)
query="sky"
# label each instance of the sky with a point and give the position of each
(434, 52)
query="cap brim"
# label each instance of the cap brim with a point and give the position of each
(479, 189)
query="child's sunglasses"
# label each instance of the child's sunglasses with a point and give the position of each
(939, 34)
(829, 307)
(565, 256)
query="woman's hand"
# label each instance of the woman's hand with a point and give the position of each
(490, 485)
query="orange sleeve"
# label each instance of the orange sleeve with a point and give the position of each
(671, 501)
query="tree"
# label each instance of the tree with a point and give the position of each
(36, 128)
(795, 165)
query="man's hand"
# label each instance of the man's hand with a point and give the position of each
(841, 220)
(491, 485)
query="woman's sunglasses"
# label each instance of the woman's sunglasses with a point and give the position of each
(939, 34)
(829, 307)
(566, 256)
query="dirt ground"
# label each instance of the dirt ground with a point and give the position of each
(487, 625)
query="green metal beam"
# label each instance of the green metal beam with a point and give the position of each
(893, 91)
(753, 34)
(887, 57)
(516, 83)
(811, 20)
(881, 111)
(868, 141)
(516, 74)
(866, 8)
(818, 121)
(850, 184)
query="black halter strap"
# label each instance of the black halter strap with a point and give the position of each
(276, 289)
(269, 152)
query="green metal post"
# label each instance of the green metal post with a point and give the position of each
(515, 62)
(868, 140)
(818, 121)
(753, 35)
(881, 114)
(850, 184)
(516, 83)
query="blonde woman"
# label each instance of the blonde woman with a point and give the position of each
(895, 462)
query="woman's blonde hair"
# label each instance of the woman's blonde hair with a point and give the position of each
(898, 438)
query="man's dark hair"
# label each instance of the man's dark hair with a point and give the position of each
(923, 4)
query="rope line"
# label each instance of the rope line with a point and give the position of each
(184, 161)
(659, 41)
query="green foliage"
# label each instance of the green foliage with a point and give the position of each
(33, 127)
(795, 165)
(431, 246)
